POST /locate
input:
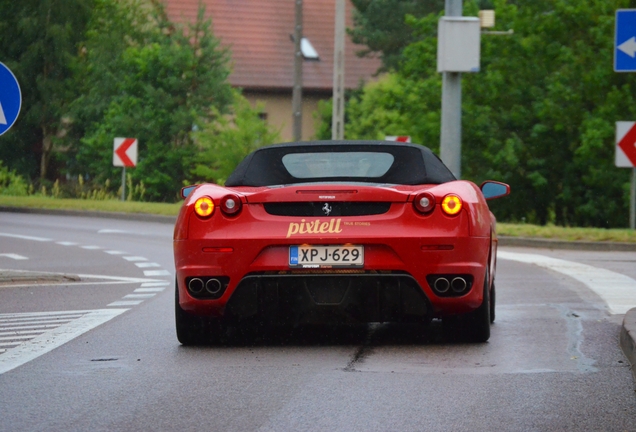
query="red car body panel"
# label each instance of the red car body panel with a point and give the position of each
(402, 240)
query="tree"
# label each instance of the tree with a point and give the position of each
(380, 25)
(226, 140)
(539, 115)
(44, 39)
(162, 81)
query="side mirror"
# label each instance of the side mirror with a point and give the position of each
(185, 191)
(493, 189)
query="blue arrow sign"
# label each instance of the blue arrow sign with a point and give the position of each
(10, 99)
(625, 41)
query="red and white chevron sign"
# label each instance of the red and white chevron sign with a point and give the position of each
(398, 138)
(125, 152)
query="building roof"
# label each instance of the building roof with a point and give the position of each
(259, 35)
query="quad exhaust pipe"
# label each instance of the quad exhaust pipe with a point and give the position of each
(213, 286)
(441, 285)
(449, 285)
(206, 286)
(458, 284)
(196, 285)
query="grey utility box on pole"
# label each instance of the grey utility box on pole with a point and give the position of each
(458, 50)
(458, 44)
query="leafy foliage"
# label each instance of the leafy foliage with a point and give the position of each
(540, 115)
(40, 40)
(226, 140)
(154, 86)
(380, 25)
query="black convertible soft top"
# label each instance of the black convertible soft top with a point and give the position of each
(410, 164)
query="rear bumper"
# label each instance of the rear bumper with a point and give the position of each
(393, 285)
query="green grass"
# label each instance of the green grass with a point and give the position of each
(566, 233)
(503, 229)
(115, 206)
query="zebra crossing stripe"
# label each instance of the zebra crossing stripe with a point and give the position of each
(11, 358)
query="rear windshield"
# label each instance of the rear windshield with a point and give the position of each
(338, 164)
(376, 162)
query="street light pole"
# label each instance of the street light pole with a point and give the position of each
(451, 128)
(337, 115)
(297, 95)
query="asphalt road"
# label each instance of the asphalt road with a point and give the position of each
(101, 353)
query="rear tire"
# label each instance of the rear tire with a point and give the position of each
(477, 325)
(195, 330)
(492, 302)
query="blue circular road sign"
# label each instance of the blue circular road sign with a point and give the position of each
(10, 98)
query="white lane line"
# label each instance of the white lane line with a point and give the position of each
(617, 290)
(15, 338)
(147, 264)
(38, 320)
(148, 290)
(135, 258)
(39, 328)
(23, 237)
(115, 252)
(43, 314)
(91, 247)
(113, 231)
(138, 296)
(20, 332)
(66, 243)
(14, 256)
(154, 284)
(156, 273)
(126, 303)
(52, 339)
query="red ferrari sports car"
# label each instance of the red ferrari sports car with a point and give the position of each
(336, 232)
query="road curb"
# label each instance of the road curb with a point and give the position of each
(144, 217)
(628, 338)
(565, 244)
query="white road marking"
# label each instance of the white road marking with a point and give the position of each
(147, 264)
(617, 290)
(51, 339)
(115, 252)
(14, 256)
(156, 273)
(147, 290)
(15, 338)
(23, 237)
(126, 303)
(91, 247)
(135, 258)
(66, 243)
(154, 284)
(112, 231)
(139, 296)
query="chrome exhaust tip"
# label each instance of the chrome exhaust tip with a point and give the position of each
(441, 285)
(459, 284)
(213, 286)
(196, 285)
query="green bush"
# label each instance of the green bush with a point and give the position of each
(11, 183)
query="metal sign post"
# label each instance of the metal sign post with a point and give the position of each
(337, 114)
(297, 93)
(626, 158)
(632, 204)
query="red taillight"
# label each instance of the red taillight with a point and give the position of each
(424, 202)
(231, 205)
(204, 207)
(452, 204)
